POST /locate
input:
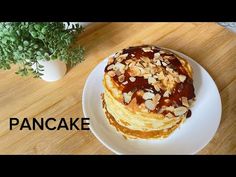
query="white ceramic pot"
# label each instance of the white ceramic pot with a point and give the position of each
(53, 70)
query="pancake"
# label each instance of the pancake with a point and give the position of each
(148, 92)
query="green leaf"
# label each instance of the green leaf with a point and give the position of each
(12, 39)
(37, 27)
(34, 34)
(38, 53)
(41, 36)
(40, 66)
(4, 40)
(38, 58)
(44, 30)
(18, 32)
(36, 46)
(20, 48)
(5, 31)
(46, 54)
(25, 43)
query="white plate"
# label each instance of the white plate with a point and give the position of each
(190, 138)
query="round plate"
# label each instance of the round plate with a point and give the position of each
(191, 137)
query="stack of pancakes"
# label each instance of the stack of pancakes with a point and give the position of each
(148, 92)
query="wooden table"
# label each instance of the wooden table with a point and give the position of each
(208, 43)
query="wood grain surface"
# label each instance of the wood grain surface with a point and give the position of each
(209, 44)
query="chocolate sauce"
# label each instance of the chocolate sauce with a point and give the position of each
(189, 113)
(180, 90)
(138, 52)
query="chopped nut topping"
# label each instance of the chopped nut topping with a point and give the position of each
(118, 73)
(167, 61)
(185, 101)
(151, 80)
(124, 83)
(111, 73)
(135, 71)
(121, 78)
(117, 54)
(145, 59)
(169, 115)
(170, 108)
(120, 58)
(132, 64)
(169, 69)
(160, 76)
(147, 49)
(110, 67)
(156, 86)
(170, 78)
(152, 65)
(158, 63)
(128, 61)
(180, 111)
(127, 97)
(163, 63)
(156, 99)
(139, 65)
(167, 93)
(167, 57)
(119, 66)
(191, 102)
(146, 76)
(132, 79)
(150, 105)
(153, 71)
(148, 95)
(144, 64)
(157, 55)
(182, 78)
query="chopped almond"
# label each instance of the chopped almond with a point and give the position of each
(111, 73)
(180, 111)
(124, 83)
(182, 78)
(156, 99)
(127, 97)
(151, 80)
(110, 67)
(121, 78)
(132, 79)
(148, 95)
(185, 101)
(150, 105)
(169, 115)
(167, 93)
(157, 55)
(147, 49)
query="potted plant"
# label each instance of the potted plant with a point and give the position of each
(40, 49)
